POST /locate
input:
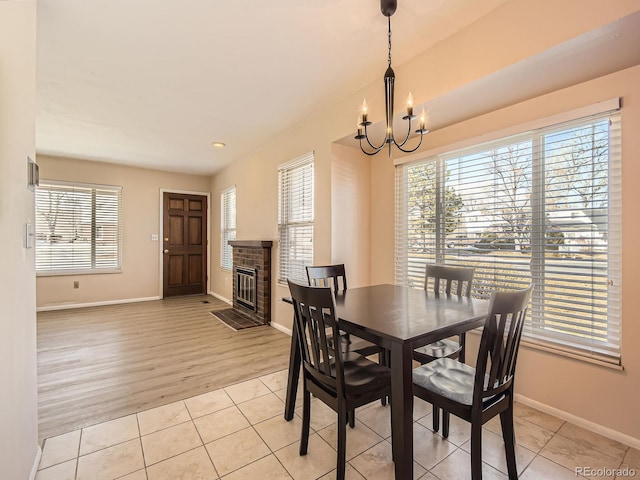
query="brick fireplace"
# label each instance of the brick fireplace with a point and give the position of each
(252, 279)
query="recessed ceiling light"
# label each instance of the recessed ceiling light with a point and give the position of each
(218, 144)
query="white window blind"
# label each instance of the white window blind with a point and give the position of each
(542, 207)
(295, 218)
(227, 226)
(78, 228)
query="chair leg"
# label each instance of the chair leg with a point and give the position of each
(351, 418)
(342, 443)
(383, 359)
(508, 434)
(462, 340)
(436, 418)
(476, 450)
(306, 420)
(445, 423)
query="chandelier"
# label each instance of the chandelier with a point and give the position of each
(388, 8)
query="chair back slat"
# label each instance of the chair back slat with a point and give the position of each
(314, 314)
(325, 353)
(445, 275)
(327, 276)
(500, 342)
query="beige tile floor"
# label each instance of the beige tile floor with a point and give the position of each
(239, 433)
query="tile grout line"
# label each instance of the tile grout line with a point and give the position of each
(251, 425)
(204, 445)
(263, 440)
(144, 459)
(258, 433)
(78, 456)
(594, 447)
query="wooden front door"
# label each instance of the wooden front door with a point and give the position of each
(184, 244)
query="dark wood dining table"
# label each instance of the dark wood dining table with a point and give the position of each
(399, 319)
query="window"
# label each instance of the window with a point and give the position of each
(295, 218)
(227, 226)
(78, 228)
(541, 207)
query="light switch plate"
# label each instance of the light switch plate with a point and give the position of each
(154, 237)
(28, 235)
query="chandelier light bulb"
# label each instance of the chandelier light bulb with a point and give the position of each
(364, 111)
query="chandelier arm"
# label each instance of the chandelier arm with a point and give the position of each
(412, 149)
(375, 150)
(406, 138)
(366, 136)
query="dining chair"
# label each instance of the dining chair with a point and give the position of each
(327, 276)
(343, 380)
(479, 394)
(447, 279)
(334, 276)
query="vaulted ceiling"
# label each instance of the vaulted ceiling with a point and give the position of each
(154, 83)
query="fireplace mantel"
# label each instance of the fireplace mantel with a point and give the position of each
(251, 243)
(252, 255)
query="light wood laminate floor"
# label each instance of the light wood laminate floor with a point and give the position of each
(101, 363)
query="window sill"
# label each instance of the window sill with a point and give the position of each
(561, 352)
(65, 273)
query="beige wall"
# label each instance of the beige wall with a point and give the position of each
(140, 277)
(18, 394)
(350, 215)
(504, 37)
(256, 181)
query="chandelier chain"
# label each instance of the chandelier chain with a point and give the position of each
(389, 36)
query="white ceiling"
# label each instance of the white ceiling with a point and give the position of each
(153, 83)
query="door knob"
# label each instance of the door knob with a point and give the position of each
(166, 250)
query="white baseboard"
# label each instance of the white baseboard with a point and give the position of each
(581, 422)
(95, 304)
(286, 330)
(220, 297)
(36, 464)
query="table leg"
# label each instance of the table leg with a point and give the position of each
(294, 375)
(402, 409)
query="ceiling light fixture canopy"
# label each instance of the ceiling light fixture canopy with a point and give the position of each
(388, 8)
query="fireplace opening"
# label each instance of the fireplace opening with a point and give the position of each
(246, 287)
